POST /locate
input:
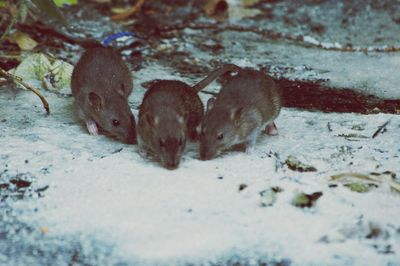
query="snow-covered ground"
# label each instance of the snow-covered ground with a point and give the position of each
(102, 189)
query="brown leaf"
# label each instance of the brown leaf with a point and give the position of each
(216, 7)
(127, 12)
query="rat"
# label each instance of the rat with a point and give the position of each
(101, 84)
(247, 103)
(170, 112)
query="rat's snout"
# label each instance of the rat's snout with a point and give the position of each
(171, 152)
(131, 138)
(171, 161)
(171, 165)
(206, 153)
(203, 155)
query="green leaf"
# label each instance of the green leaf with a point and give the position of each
(294, 164)
(61, 3)
(359, 187)
(49, 8)
(303, 200)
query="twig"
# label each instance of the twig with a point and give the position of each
(19, 80)
(328, 125)
(132, 10)
(380, 129)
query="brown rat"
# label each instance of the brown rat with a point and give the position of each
(247, 103)
(101, 83)
(172, 110)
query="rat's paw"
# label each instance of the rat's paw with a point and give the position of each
(271, 129)
(92, 127)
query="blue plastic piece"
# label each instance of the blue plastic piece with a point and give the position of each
(108, 40)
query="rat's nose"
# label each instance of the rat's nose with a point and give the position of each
(204, 155)
(131, 138)
(171, 165)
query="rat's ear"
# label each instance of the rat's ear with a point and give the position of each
(210, 103)
(236, 115)
(182, 119)
(153, 121)
(95, 101)
(124, 90)
(185, 118)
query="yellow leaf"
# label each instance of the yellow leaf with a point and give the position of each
(120, 10)
(44, 230)
(249, 2)
(60, 3)
(23, 40)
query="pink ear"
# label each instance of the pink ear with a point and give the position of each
(210, 103)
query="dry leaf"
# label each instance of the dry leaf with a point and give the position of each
(124, 13)
(377, 178)
(250, 2)
(303, 200)
(23, 40)
(37, 69)
(294, 164)
(119, 10)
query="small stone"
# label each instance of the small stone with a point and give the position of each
(242, 187)
(268, 197)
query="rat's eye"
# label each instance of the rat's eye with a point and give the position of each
(220, 136)
(116, 122)
(162, 143)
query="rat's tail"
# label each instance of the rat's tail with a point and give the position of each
(216, 74)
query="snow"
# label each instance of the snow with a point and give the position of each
(196, 214)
